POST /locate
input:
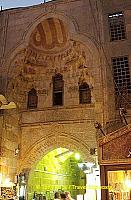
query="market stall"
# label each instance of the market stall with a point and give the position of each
(115, 164)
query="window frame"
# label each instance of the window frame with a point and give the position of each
(58, 91)
(29, 101)
(116, 36)
(122, 80)
(82, 91)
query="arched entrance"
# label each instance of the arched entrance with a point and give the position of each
(52, 48)
(71, 137)
(46, 138)
(62, 170)
(57, 171)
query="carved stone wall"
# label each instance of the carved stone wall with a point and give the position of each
(9, 140)
(40, 41)
(74, 136)
(51, 38)
(31, 68)
(72, 125)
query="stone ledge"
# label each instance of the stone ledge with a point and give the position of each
(57, 115)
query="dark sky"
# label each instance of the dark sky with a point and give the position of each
(18, 3)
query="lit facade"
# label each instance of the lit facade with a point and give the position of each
(66, 65)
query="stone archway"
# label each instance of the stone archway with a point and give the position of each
(51, 142)
(87, 48)
(36, 143)
(45, 139)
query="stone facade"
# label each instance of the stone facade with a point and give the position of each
(60, 37)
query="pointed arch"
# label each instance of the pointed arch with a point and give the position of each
(32, 99)
(84, 93)
(58, 90)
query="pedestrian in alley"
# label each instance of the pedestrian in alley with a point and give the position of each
(57, 196)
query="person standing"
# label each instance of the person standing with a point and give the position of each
(63, 196)
(57, 196)
(68, 196)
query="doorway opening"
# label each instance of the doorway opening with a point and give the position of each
(63, 170)
(120, 184)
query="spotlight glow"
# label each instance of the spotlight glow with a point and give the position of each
(128, 183)
(7, 183)
(0, 178)
(77, 156)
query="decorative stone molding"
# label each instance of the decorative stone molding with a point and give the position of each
(50, 8)
(43, 92)
(30, 67)
(73, 89)
(50, 142)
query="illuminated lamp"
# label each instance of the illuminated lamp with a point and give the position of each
(77, 156)
(0, 178)
(128, 183)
